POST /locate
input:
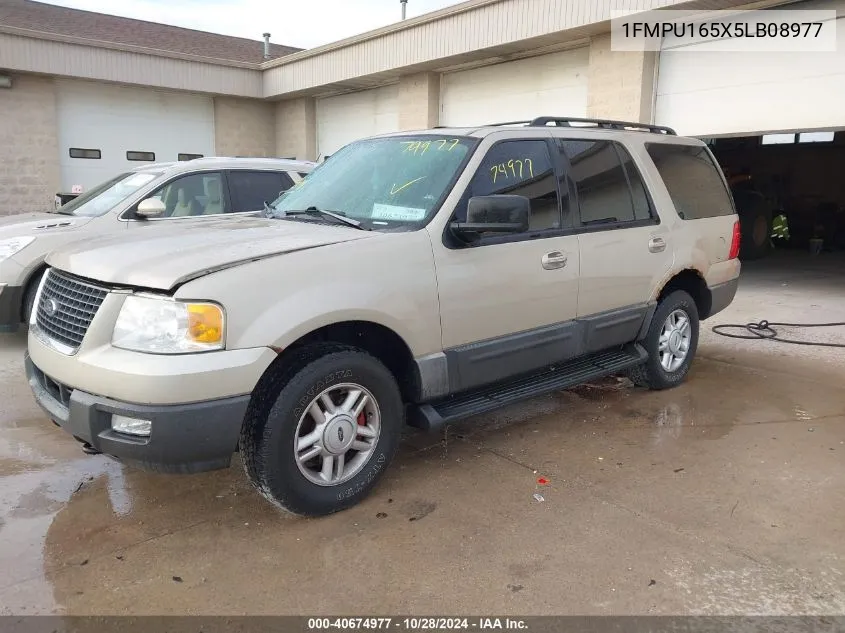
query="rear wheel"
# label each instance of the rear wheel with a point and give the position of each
(671, 342)
(325, 433)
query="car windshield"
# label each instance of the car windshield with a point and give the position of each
(382, 183)
(105, 196)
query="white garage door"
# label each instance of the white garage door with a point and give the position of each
(99, 124)
(345, 118)
(553, 85)
(701, 92)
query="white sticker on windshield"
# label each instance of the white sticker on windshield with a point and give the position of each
(399, 214)
(139, 180)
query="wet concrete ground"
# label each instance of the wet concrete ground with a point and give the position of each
(723, 496)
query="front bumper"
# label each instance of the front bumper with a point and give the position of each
(185, 438)
(10, 307)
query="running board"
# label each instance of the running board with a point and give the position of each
(432, 415)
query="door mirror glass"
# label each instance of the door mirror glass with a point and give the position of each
(494, 214)
(151, 208)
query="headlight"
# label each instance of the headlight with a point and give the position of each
(166, 326)
(11, 246)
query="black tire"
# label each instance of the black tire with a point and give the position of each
(270, 427)
(652, 374)
(29, 297)
(755, 221)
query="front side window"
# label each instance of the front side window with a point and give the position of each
(104, 197)
(521, 168)
(393, 182)
(193, 195)
(693, 180)
(250, 190)
(604, 196)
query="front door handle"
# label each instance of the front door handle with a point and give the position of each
(656, 245)
(553, 260)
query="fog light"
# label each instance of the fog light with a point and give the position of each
(130, 426)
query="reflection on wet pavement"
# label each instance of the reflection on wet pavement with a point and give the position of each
(724, 495)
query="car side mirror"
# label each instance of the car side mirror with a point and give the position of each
(494, 214)
(150, 208)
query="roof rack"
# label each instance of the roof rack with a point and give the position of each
(607, 124)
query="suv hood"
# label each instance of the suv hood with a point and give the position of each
(161, 256)
(36, 224)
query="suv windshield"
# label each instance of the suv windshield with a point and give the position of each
(104, 197)
(383, 182)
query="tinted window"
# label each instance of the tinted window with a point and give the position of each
(249, 190)
(144, 156)
(693, 180)
(642, 208)
(601, 182)
(195, 194)
(182, 157)
(522, 168)
(78, 152)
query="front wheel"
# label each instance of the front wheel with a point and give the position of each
(671, 342)
(326, 432)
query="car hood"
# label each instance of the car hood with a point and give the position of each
(36, 224)
(160, 257)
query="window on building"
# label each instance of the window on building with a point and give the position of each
(694, 181)
(78, 152)
(141, 156)
(183, 157)
(249, 190)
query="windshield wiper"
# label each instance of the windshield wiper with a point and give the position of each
(322, 213)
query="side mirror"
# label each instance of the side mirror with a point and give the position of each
(494, 214)
(150, 208)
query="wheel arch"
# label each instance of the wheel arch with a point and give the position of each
(377, 339)
(692, 282)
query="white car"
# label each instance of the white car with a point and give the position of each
(155, 194)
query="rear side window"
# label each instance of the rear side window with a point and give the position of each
(610, 190)
(249, 190)
(693, 180)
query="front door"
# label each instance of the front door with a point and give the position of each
(507, 302)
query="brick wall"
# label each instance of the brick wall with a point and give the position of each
(620, 83)
(244, 127)
(296, 129)
(29, 147)
(419, 101)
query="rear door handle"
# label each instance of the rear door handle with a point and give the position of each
(656, 245)
(553, 260)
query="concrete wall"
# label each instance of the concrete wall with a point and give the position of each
(419, 101)
(620, 84)
(244, 127)
(29, 145)
(296, 129)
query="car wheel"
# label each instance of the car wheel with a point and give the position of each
(671, 342)
(321, 432)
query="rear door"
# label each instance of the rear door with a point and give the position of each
(625, 249)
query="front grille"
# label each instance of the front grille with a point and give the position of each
(66, 308)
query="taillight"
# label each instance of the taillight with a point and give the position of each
(735, 242)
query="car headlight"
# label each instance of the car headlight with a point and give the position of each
(13, 245)
(167, 326)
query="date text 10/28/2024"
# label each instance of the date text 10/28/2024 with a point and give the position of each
(417, 624)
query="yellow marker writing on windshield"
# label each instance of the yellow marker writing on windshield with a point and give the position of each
(394, 190)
